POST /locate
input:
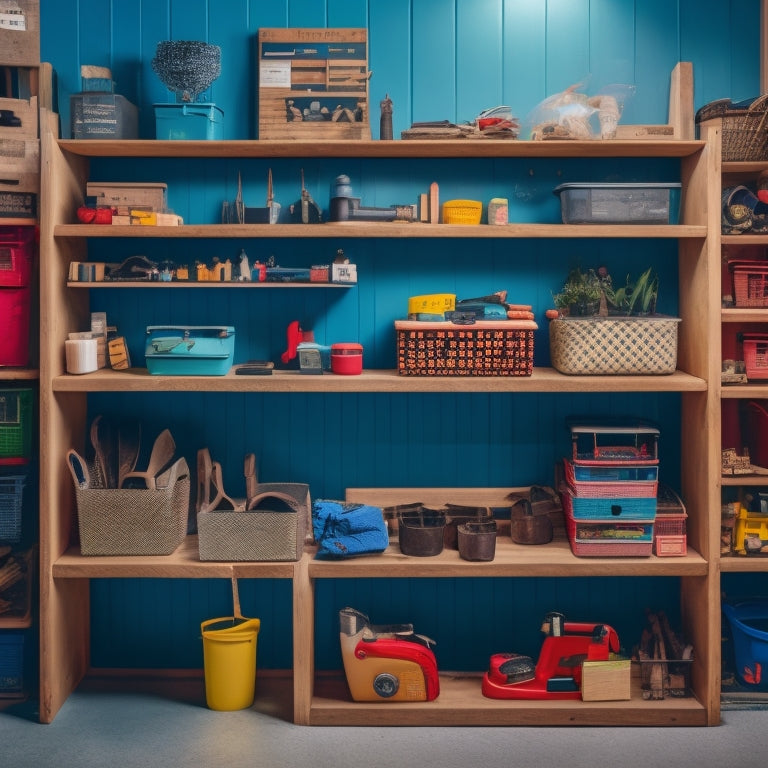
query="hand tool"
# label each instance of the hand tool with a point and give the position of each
(251, 478)
(128, 445)
(104, 451)
(203, 502)
(221, 495)
(162, 455)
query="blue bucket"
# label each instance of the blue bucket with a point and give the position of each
(749, 627)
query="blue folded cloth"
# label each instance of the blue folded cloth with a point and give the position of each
(344, 529)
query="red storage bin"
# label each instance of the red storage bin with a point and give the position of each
(14, 326)
(17, 248)
(756, 356)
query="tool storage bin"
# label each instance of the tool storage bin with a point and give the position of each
(485, 348)
(620, 203)
(16, 428)
(191, 350)
(11, 506)
(273, 528)
(188, 121)
(128, 521)
(11, 663)
(750, 282)
(756, 356)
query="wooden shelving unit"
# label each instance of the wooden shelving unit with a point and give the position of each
(323, 699)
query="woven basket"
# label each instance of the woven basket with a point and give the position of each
(128, 521)
(273, 528)
(614, 345)
(744, 132)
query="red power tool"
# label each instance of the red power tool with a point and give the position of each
(557, 674)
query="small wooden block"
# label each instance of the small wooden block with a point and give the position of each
(605, 680)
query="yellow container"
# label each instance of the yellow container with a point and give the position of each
(229, 657)
(462, 212)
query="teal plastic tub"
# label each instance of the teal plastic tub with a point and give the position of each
(188, 121)
(189, 350)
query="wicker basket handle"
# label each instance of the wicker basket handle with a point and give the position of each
(282, 500)
(179, 470)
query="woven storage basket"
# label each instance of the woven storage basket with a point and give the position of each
(128, 521)
(608, 345)
(462, 212)
(273, 528)
(744, 132)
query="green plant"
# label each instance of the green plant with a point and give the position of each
(592, 293)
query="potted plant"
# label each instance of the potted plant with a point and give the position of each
(599, 328)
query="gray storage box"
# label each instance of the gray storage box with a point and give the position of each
(103, 116)
(624, 203)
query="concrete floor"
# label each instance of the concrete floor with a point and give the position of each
(97, 728)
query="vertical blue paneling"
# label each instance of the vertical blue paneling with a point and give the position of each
(227, 21)
(524, 61)
(347, 13)
(307, 13)
(155, 27)
(567, 44)
(611, 43)
(657, 50)
(126, 48)
(744, 50)
(390, 55)
(433, 50)
(479, 57)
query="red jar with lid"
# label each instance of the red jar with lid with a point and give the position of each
(347, 358)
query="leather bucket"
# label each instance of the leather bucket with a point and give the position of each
(477, 540)
(421, 532)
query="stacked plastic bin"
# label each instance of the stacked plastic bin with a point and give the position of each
(17, 248)
(610, 488)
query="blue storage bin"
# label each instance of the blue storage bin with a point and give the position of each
(188, 121)
(189, 350)
(749, 628)
(11, 662)
(639, 508)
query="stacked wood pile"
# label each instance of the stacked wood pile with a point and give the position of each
(664, 659)
(14, 573)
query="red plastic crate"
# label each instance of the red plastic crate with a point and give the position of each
(17, 248)
(750, 283)
(756, 356)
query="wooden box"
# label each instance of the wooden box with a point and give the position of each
(313, 84)
(605, 680)
(20, 34)
(20, 118)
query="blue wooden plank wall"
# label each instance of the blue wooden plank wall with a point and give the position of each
(437, 59)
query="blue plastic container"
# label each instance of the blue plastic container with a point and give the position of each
(189, 350)
(188, 121)
(11, 662)
(639, 508)
(749, 628)
(619, 203)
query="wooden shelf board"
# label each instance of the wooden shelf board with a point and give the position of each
(388, 229)
(155, 284)
(184, 563)
(744, 564)
(744, 391)
(745, 239)
(460, 148)
(548, 560)
(542, 380)
(737, 315)
(737, 480)
(19, 374)
(461, 702)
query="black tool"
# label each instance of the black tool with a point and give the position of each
(255, 368)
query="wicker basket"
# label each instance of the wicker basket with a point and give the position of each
(750, 282)
(272, 529)
(745, 129)
(614, 345)
(128, 521)
(462, 212)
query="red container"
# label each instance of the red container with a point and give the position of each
(16, 255)
(756, 356)
(347, 358)
(14, 326)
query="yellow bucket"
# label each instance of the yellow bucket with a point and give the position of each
(229, 659)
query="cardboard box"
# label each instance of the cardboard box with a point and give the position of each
(19, 118)
(606, 680)
(20, 34)
(20, 155)
(127, 196)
